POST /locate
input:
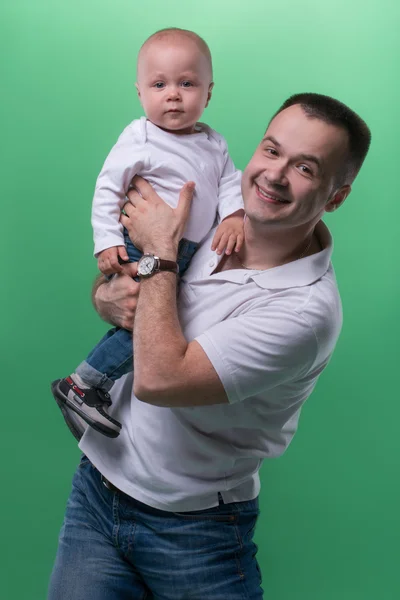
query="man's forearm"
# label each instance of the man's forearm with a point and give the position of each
(160, 345)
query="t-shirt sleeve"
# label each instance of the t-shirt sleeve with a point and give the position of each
(125, 160)
(259, 350)
(229, 190)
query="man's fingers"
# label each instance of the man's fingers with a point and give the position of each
(144, 188)
(134, 199)
(185, 200)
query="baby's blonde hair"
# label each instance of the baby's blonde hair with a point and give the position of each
(176, 32)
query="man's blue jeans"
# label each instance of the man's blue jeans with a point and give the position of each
(113, 547)
(112, 357)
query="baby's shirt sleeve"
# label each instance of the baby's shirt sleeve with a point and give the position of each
(230, 191)
(125, 160)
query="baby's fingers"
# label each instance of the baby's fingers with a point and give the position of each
(239, 242)
(230, 243)
(122, 253)
(216, 239)
(114, 264)
(222, 243)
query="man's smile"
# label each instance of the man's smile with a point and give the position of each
(270, 197)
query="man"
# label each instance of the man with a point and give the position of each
(168, 509)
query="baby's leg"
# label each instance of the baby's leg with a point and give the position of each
(86, 391)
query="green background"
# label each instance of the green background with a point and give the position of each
(329, 527)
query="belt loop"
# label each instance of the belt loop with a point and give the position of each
(108, 484)
(220, 499)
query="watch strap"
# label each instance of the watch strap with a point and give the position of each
(167, 265)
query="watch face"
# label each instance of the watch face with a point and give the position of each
(146, 265)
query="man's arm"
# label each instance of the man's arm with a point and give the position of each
(168, 371)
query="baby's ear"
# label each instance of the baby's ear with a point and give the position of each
(210, 88)
(137, 89)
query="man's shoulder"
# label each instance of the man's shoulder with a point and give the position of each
(322, 310)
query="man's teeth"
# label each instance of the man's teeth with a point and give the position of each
(276, 198)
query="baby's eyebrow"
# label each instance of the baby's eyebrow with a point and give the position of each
(189, 74)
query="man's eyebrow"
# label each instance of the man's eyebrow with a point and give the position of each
(309, 157)
(271, 139)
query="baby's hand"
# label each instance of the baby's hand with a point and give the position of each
(108, 262)
(229, 234)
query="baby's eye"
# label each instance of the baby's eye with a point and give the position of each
(186, 84)
(159, 85)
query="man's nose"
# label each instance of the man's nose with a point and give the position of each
(276, 174)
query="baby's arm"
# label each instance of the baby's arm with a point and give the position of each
(229, 234)
(125, 160)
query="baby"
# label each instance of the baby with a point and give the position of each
(167, 147)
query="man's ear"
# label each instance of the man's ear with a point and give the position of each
(338, 198)
(210, 87)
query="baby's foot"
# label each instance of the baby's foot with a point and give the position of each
(89, 403)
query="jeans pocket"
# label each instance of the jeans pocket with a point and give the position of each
(246, 524)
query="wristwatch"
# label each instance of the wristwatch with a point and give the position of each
(149, 264)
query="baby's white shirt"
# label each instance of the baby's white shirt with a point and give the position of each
(167, 161)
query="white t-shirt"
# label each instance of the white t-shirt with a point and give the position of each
(167, 161)
(268, 335)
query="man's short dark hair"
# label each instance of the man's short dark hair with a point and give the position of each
(334, 112)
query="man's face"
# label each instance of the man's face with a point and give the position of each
(290, 180)
(174, 83)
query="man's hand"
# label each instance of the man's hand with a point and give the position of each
(229, 234)
(116, 300)
(108, 262)
(152, 224)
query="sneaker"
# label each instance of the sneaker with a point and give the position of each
(76, 425)
(90, 404)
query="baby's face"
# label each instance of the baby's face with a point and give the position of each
(174, 84)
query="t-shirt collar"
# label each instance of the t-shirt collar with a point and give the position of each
(294, 274)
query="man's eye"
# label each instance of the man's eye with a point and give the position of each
(305, 169)
(159, 85)
(186, 84)
(271, 151)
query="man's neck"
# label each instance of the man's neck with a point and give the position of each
(273, 248)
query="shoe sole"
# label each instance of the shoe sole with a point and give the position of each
(65, 413)
(64, 402)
